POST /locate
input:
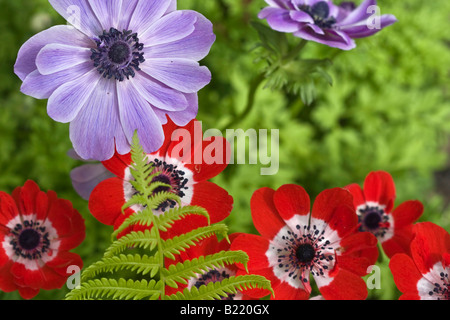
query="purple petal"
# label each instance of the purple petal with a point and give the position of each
(331, 38)
(362, 29)
(159, 95)
(40, 86)
(107, 12)
(93, 130)
(172, 27)
(147, 13)
(359, 14)
(279, 19)
(79, 14)
(26, 58)
(86, 177)
(127, 10)
(137, 114)
(65, 103)
(194, 46)
(57, 57)
(182, 118)
(301, 16)
(180, 74)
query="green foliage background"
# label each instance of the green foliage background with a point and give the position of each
(388, 109)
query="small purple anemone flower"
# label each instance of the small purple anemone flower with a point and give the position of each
(120, 66)
(324, 22)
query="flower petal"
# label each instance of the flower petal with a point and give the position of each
(344, 286)
(106, 201)
(86, 177)
(26, 58)
(406, 275)
(214, 199)
(407, 213)
(335, 207)
(264, 213)
(195, 46)
(379, 187)
(180, 74)
(108, 12)
(147, 13)
(291, 200)
(182, 118)
(57, 57)
(93, 130)
(172, 27)
(41, 86)
(67, 101)
(331, 38)
(255, 246)
(158, 94)
(137, 114)
(279, 19)
(79, 14)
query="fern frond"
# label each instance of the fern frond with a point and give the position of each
(219, 290)
(135, 239)
(167, 219)
(180, 243)
(136, 263)
(117, 289)
(181, 272)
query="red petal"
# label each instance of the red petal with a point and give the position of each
(399, 243)
(345, 286)
(25, 197)
(28, 293)
(407, 213)
(106, 201)
(265, 215)
(405, 273)
(335, 206)
(291, 200)
(214, 199)
(256, 248)
(357, 193)
(118, 164)
(431, 242)
(8, 211)
(379, 187)
(284, 291)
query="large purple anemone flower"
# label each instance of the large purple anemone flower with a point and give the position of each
(121, 66)
(324, 22)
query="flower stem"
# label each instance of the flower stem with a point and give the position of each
(257, 81)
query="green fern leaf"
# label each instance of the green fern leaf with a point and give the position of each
(137, 263)
(116, 289)
(180, 243)
(181, 272)
(166, 220)
(134, 239)
(219, 290)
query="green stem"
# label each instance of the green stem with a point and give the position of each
(250, 102)
(251, 96)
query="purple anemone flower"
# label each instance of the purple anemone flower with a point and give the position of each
(324, 22)
(121, 66)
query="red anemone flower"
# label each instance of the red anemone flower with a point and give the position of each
(424, 275)
(207, 247)
(186, 162)
(374, 205)
(37, 230)
(295, 243)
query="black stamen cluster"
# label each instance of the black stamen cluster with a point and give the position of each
(118, 54)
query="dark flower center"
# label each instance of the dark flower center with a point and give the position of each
(30, 240)
(118, 54)
(373, 219)
(305, 253)
(320, 12)
(174, 181)
(213, 276)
